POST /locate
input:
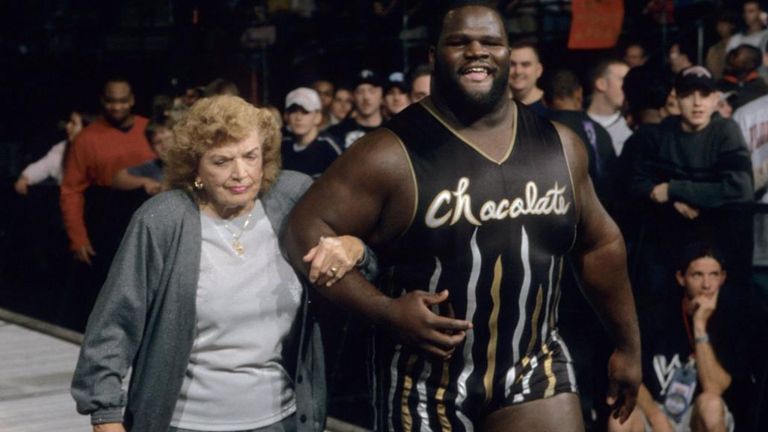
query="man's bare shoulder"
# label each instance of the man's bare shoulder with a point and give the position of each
(574, 148)
(379, 155)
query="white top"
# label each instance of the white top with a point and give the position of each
(752, 119)
(617, 128)
(47, 166)
(245, 310)
(757, 40)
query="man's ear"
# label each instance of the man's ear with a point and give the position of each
(601, 84)
(680, 278)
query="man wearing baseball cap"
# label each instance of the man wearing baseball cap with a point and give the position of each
(367, 95)
(305, 148)
(690, 164)
(396, 94)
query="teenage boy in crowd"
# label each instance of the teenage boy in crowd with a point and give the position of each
(305, 148)
(685, 344)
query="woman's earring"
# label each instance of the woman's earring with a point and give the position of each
(198, 184)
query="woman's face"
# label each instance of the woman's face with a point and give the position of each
(231, 176)
(74, 126)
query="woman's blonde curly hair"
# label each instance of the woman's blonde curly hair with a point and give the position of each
(215, 122)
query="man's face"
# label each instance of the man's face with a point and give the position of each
(634, 56)
(342, 104)
(471, 60)
(303, 122)
(751, 14)
(161, 141)
(696, 109)
(677, 60)
(368, 99)
(396, 100)
(420, 88)
(325, 90)
(117, 101)
(614, 82)
(703, 277)
(524, 69)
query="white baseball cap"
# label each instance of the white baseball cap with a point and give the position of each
(304, 97)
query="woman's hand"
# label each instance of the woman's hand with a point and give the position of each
(332, 258)
(109, 427)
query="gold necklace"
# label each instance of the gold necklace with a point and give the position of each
(236, 245)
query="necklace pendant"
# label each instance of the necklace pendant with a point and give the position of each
(239, 248)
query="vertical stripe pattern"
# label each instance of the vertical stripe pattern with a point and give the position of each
(493, 329)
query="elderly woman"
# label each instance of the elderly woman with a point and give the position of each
(200, 302)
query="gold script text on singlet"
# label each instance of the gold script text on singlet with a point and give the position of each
(448, 207)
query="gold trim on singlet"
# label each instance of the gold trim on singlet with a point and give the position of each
(493, 329)
(551, 379)
(415, 183)
(445, 425)
(406, 417)
(535, 320)
(430, 107)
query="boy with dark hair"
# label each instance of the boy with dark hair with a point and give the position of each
(684, 377)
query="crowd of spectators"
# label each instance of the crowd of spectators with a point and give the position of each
(676, 154)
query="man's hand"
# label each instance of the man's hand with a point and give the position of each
(22, 185)
(109, 427)
(413, 322)
(152, 187)
(84, 254)
(687, 211)
(660, 193)
(624, 375)
(704, 306)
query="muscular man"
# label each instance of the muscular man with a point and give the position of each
(468, 196)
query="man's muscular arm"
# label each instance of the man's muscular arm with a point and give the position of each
(368, 193)
(602, 261)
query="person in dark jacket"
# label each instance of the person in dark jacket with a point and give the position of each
(690, 168)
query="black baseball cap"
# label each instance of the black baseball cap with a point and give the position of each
(695, 78)
(367, 76)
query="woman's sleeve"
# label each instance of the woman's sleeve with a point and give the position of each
(116, 325)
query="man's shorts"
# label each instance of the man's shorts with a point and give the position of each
(425, 394)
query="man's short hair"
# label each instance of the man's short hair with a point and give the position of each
(645, 87)
(446, 7)
(601, 70)
(117, 79)
(562, 84)
(688, 46)
(160, 122)
(701, 249)
(420, 71)
(525, 43)
(750, 57)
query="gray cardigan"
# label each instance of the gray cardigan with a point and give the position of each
(145, 318)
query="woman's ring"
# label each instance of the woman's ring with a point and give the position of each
(334, 270)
